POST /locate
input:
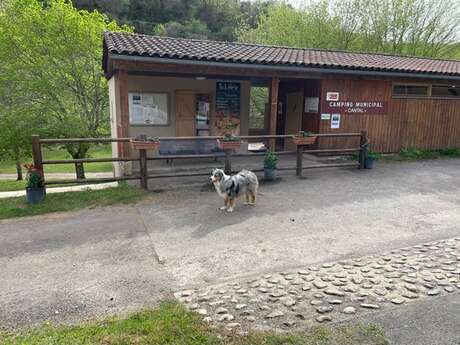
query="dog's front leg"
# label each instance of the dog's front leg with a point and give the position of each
(231, 204)
(223, 208)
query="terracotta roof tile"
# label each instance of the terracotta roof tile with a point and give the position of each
(214, 51)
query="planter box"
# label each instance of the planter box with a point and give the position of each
(304, 140)
(228, 145)
(270, 174)
(144, 145)
(369, 163)
(35, 195)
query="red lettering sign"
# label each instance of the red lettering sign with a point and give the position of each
(355, 107)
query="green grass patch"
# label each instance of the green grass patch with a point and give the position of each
(172, 324)
(418, 154)
(12, 185)
(68, 201)
(54, 152)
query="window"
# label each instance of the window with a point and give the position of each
(146, 108)
(411, 90)
(445, 91)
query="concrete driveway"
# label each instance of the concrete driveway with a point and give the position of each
(73, 266)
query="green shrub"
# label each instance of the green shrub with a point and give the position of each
(270, 160)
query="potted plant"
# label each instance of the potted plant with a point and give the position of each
(35, 187)
(229, 142)
(304, 138)
(270, 164)
(142, 142)
(370, 160)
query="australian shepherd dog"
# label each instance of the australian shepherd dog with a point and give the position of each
(231, 187)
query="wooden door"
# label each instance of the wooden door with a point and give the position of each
(185, 114)
(294, 110)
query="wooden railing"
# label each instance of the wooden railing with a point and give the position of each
(144, 175)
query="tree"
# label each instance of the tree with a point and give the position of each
(53, 54)
(407, 27)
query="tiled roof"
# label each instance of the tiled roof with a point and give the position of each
(214, 51)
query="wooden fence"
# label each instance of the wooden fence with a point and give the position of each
(144, 175)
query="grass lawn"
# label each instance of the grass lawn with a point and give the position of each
(171, 324)
(17, 207)
(11, 185)
(53, 152)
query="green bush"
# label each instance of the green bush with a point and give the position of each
(270, 160)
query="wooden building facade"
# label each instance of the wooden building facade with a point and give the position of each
(179, 87)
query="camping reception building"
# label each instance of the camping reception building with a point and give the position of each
(170, 87)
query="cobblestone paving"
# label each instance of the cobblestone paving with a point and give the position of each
(332, 291)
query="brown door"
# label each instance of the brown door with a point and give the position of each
(294, 105)
(185, 114)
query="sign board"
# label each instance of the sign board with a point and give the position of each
(325, 116)
(335, 121)
(228, 98)
(228, 95)
(356, 107)
(311, 104)
(147, 108)
(332, 96)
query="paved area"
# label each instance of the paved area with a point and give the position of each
(71, 267)
(332, 291)
(52, 190)
(68, 267)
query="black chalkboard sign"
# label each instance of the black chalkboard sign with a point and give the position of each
(228, 98)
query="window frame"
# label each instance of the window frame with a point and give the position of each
(428, 86)
(457, 86)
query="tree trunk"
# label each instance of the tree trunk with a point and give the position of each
(80, 170)
(18, 170)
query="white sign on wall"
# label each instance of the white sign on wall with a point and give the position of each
(311, 104)
(148, 108)
(325, 116)
(332, 96)
(335, 121)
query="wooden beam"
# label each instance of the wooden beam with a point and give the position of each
(124, 111)
(273, 109)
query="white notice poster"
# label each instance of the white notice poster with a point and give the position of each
(311, 104)
(148, 108)
(335, 121)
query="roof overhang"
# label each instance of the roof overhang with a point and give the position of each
(273, 69)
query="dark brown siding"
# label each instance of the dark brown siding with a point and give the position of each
(408, 123)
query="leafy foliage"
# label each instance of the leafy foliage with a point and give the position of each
(270, 160)
(51, 78)
(34, 177)
(408, 27)
(211, 19)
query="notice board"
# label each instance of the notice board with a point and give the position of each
(228, 103)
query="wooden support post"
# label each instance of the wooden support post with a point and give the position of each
(228, 163)
(143, 164)
(363, 149)
(273, 110)
(37, 154)
(143, 168)
(124, 110)
(299, 165)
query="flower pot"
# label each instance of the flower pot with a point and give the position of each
(304, 140)
(35, 195)
(144, 145)
(369, 163)
(269, 174)
(228, 145)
